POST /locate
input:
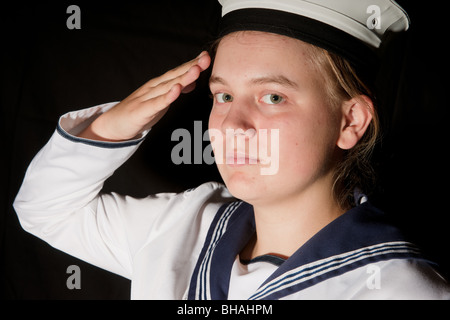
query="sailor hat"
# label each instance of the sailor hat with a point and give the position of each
(353, 29)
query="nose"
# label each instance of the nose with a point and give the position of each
(239, 120)
(238, 126)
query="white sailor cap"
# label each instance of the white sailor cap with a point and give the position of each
(353, 29)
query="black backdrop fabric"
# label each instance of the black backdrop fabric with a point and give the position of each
(48, 69)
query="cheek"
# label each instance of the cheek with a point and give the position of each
(307, 145)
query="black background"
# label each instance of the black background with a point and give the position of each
(48, 70)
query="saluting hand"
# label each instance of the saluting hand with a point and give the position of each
(148, 104)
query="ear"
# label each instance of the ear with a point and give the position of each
(356, 117)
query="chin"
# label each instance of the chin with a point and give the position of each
(244, 186)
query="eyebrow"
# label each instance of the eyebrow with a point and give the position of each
(276, 79)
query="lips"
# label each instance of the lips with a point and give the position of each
(240, 159)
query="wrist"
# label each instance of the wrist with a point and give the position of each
(96, 131)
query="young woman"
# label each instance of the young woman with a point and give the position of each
(299, 231)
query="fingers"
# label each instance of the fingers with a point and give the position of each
(172, 94)
(136, 115)
(148, 104)
(186, 79)
(144, 107)
(202, 61)
(186, 82)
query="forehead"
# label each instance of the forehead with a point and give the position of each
(255, 51)
(257, 41)
(257, 38)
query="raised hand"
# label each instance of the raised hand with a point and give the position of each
(148, 104)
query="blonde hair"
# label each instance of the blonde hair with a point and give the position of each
(342, 83)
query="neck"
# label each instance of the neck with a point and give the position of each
(285, 225)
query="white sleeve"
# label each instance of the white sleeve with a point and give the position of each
(60, 200)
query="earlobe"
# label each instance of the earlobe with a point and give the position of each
(356, 117)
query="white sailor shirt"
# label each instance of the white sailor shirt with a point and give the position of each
(186, 245)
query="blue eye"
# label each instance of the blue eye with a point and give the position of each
(272, 99)
(223, 97)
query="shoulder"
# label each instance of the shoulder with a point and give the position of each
(203, 200)
(207, 194)
(396, 279)
(369, 258)
(407, 279)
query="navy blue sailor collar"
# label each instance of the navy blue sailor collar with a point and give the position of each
(361, 236)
